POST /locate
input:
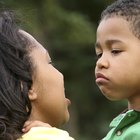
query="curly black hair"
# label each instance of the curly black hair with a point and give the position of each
(128, 10)
(15, 78)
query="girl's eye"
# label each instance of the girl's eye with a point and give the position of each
(51, 63)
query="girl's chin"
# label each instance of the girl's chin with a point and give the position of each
(67, 117)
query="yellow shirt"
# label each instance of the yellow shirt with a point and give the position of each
(46, 133)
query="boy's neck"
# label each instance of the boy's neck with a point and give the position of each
(130, 107)
(134, 103)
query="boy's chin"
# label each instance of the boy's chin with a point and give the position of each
(112, 98)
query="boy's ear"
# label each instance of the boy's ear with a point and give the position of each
(32, 95)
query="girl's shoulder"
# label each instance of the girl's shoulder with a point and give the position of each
(46, 133)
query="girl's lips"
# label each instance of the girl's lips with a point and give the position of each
(68, 102)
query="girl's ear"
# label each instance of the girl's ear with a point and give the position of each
(32, 95)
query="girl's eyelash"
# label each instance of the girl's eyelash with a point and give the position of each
(51, 63)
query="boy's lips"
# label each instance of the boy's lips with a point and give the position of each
(101, 78)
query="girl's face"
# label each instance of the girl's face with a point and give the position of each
(118, 66)
(47, 95)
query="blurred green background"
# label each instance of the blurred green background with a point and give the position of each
(68, 29)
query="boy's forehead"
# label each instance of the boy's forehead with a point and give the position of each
(116, 21)
(113, 31)
(113, 27)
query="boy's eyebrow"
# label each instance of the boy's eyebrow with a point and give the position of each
(112, 41)
(97, 45)
(107, 43)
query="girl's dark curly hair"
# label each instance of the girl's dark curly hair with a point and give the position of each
(127, 9)
(15, 78)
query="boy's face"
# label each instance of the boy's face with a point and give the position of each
(118, 66)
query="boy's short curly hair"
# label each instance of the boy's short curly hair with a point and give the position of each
(128, 10)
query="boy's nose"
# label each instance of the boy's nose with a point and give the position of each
(102, 63)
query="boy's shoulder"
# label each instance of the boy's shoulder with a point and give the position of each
(125, 126)
(43, 133)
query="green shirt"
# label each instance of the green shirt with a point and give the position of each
(125, 127)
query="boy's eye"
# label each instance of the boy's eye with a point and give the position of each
(99, 55)
(115, 52)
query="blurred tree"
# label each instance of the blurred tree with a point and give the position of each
(67, 29)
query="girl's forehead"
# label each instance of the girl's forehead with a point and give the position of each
(35, 43)
(30, 38)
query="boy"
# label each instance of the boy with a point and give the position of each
(118, 66)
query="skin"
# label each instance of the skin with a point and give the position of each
(29, 124)
(118, 66)
(47, 96)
